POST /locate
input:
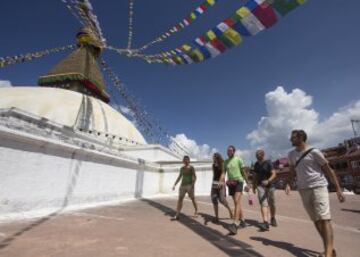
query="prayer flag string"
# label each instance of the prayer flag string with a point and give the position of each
(84, 12)
(252, 18)
(21, 58)
(188, 20)
(131, 14)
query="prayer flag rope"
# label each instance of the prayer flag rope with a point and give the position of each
(73, 12)
(252, 18)
(188, 20)
(120, 51)
(149, 126)
(84, 12)
(131, 14)
(21, 58)
(141, 117)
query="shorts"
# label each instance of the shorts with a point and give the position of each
(189, 189)
(238, 188)
(316, 203)
(266, 196)
(218, 195)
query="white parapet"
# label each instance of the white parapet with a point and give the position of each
(42, 173)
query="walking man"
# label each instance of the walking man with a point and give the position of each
(309, 165)
(263, 184)
(234, 167)
(188, 178)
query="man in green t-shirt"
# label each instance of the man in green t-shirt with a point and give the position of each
(234, 167)
(188, 176)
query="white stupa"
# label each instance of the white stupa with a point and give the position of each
(63, 147)
(71, 109)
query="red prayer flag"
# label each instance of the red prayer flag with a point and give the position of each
(203, 7)
(265, 14)
(218, 45)
(229, 22)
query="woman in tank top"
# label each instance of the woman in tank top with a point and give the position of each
(218, 189)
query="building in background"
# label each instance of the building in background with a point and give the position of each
(344, 159)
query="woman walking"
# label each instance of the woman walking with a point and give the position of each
(218, 191)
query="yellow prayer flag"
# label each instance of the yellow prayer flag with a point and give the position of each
(211, 35)
(211, 2)
(301, 1)
(233, 36)
(243, 12)
(186, 47)
(179, 59)
(196, 55)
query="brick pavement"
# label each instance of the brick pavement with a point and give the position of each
(143, 228)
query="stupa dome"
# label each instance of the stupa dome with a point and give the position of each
(71, 109)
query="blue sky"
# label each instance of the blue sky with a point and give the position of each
(221, 101)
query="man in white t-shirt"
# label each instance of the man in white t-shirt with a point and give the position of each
(309, 165)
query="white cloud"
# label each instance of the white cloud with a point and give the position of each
(182, 144)
(337, 127)
(288, 111)
(245, 155)
(5, 83)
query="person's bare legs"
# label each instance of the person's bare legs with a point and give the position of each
(320, 231)
(229, 209)
(272, 207)
(179, 206)
(238, 215)
(224, 202)
(216, 211)
(264, 213)
(195, 206)
(327, 235)
(272, 211)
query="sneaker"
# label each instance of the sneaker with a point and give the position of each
(264, 226)
(233, 229)
(273, 222)
(242, 224)
(176, 217)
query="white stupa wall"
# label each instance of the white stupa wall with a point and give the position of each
(153, 153)
(39, 176)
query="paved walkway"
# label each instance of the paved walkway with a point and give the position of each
(143, 228)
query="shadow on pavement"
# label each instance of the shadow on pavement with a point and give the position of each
(7, 241)
(228, 245)
(351, 210)
(208, 218)
(296, 251)
(72, 181)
